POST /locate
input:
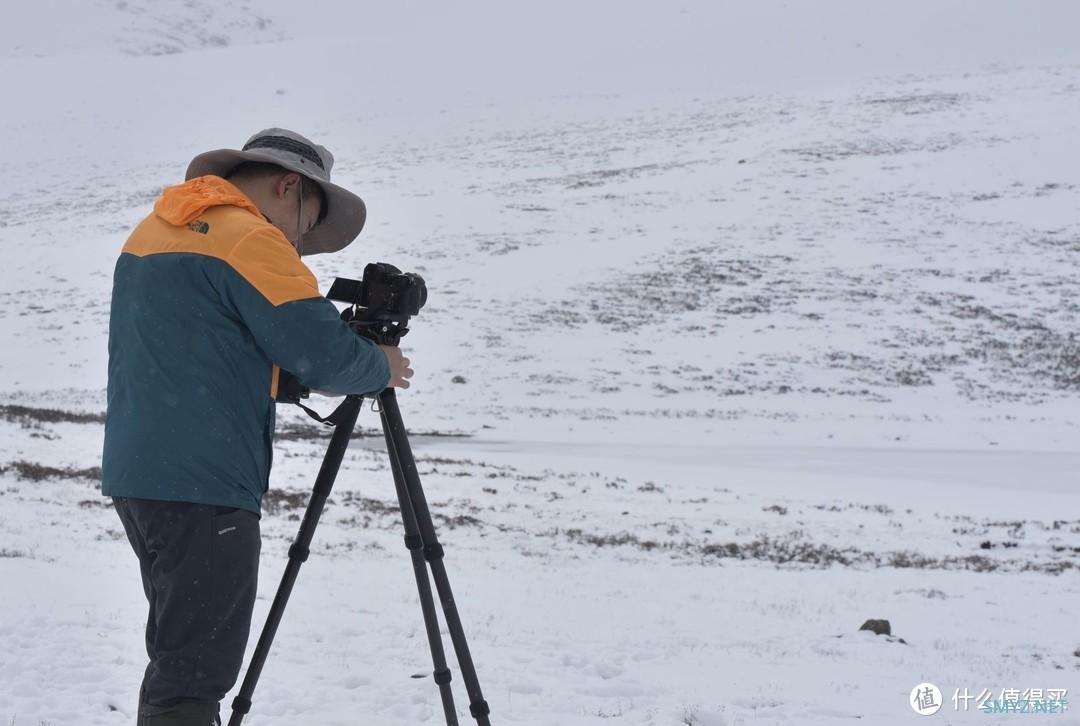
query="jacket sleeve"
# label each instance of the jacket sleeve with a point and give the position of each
(277, 298)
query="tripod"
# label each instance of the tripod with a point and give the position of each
(420, 540)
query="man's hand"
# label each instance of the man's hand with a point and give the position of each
(400, 372)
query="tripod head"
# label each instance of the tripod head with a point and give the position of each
(383, 332)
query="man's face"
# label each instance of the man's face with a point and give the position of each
(288, 214)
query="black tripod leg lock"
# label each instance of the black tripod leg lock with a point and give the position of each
(442, 677)
(433, 552)
(413, 542)
(241, 704)
(299, 552)
(479, 709)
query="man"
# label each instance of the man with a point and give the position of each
(211, 301)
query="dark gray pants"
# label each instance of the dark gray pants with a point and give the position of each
(199, 567)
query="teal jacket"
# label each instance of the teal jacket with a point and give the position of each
(209, 303)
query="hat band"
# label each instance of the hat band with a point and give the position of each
(283, 143)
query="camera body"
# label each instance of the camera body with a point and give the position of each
(384, 293)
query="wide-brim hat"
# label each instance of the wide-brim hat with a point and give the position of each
(345, 212)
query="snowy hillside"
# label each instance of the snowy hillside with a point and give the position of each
(747, 323)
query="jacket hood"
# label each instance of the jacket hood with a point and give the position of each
(185, 202)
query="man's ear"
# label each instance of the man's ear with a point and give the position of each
(286, 183)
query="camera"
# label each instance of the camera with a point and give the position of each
(380, 305)
(384, 293)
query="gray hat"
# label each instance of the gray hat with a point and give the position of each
(345, 212)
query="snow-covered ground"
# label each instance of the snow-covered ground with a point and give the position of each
(748, 322)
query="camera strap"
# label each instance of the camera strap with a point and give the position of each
(335, 418)
(290, 390)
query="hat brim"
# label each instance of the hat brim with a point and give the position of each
(345, 215)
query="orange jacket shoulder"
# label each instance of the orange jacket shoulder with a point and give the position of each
(256, 249)
(270, 263)
(214, 232)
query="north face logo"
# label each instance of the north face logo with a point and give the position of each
(199, 226)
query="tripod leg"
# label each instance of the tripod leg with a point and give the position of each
(433, 552)
(423, 584)
(346, 420)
